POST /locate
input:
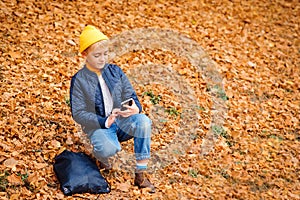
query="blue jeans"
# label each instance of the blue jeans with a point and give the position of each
(106, 142)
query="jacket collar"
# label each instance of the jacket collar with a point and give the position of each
(92, 71)
(98, 72)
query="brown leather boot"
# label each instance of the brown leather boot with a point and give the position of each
(142, 181)
(105, 165)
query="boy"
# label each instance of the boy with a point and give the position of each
(96, 93)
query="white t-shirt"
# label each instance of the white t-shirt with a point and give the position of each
(107, 98)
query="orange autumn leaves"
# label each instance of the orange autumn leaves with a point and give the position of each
(255, 44)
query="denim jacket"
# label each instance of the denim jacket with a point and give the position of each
(86, 98)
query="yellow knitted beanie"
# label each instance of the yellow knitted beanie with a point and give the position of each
(89, 36)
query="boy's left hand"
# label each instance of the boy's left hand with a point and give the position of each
(130, 110)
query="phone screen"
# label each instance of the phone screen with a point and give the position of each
(128, 102)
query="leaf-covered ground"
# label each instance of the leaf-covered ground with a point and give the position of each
(254, 44)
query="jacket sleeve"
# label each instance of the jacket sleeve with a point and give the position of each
(120, 86)
(82, 111)
(128, 91)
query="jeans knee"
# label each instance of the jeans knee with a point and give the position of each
(143, 121)
(142, 126)
(106, 151)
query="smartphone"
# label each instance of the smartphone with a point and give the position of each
(128, 102)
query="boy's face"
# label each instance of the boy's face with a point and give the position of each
(97, 56)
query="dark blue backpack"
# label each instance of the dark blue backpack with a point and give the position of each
(78, 173)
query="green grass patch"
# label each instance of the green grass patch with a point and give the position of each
(220, 131)
(172, 111)
(193, 173)
(67, 101)
(4, 181)
(155, 99)
(219, 91)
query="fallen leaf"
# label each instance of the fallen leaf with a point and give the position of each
(124, 187)
(11, 163)
(40, 165)
(71, 42)
(14, 179)
(14, 197)
(15, 55)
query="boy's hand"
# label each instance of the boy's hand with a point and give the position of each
(130, 110)
(113, 116)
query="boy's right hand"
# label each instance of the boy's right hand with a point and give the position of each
(112, 118)
(130, 110)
